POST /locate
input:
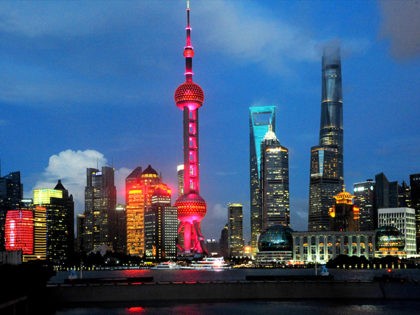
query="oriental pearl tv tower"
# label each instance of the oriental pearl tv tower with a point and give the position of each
(189, 97)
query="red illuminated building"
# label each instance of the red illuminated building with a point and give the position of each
(19, 231)
(189, 97)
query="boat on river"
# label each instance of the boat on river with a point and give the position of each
(209, 263)
(166, 265)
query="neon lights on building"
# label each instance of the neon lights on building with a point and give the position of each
(19, 231)
(189, 97)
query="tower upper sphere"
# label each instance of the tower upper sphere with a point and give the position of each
(189, 94)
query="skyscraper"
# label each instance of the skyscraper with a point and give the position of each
(19, 231)
(274, 169)
(11, 193)
(260, 119)
(119, 241)
(386, 192)
(189, 97)
(415, 203)
(134, 199)
(326, 167)
(100, 201)
(161, 225)
(364, 193)
(59, 207)
(140, 186)
(235, 230)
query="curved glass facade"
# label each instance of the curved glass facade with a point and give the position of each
(276, 238)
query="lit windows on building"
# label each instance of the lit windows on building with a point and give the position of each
(404, 220)
(235, 230)
(275, 206)
(364, 193)
(323, 246)
(19, 231)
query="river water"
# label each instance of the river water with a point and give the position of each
(312, 307)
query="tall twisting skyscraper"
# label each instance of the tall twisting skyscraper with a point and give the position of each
(189, 97)
(260, 120)
(326, 169)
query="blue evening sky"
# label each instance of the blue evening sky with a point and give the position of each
(87, 83)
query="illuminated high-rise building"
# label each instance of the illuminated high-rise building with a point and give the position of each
(161, 225)
(11, 193)
(189, 97)
(275, 206)
(40, 230)
(100, 202)
(19, 231)
(260, 120)
(364, 193)
(326, 166)
(134, 199)
(235, 230)
(344, 215)
(60, 221)
(140, 186)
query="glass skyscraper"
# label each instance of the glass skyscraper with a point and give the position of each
(260, 118)
(365, 199)
(326, 167)
(235, 230)
(100, 203)
(275, 204)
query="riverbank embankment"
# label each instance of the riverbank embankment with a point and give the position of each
(176, 292)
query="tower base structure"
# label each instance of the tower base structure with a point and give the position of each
(191, 210)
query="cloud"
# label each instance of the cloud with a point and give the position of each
(263, 38)
(70, 166)
(401, 24)
(214, 221)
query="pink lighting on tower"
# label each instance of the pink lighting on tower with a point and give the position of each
(189, 97)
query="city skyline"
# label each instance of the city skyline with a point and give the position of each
(87, 87)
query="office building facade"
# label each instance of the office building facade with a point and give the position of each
(161, 225)
(140, 186)
(59, 207)
(274, 187)
(235, 230)
(364, 193)
(100, 202)
(11, 193)
(405, 221)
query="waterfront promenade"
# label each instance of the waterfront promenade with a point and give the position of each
(235, 285)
